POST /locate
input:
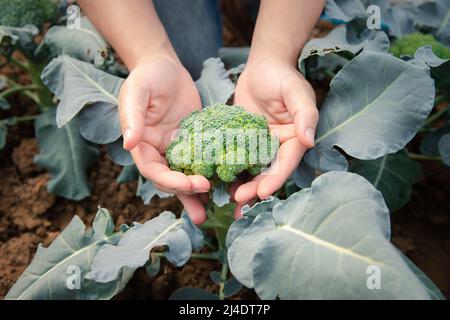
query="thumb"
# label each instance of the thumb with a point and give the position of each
(133, 103)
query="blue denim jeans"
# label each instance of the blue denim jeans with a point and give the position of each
(194, 28)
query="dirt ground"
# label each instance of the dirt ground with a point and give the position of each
(29, 215)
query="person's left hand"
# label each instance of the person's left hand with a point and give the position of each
(276, 89)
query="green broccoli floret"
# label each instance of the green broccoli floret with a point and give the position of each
(407, 45)
(18, 13)
(221, 139)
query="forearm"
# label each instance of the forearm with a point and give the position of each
(282, 28)
(132, 27)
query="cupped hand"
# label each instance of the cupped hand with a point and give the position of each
(157, 94)
(276, 89)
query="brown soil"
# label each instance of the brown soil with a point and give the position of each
(29, 215)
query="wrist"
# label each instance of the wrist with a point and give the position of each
(144, 53)
(260, 61)
(284, 53)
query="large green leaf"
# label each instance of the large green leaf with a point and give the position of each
(84, 43)
(181, 236)
(440, 68)
(100, 123)
(118, 154)
(393, 175)
(429, 144)
(189, 293)
(47, 276)
(147, 191)
(436, 15)
(214, 84)
(337, 42)
(444, 148)
(323, 243)
(346, 10)
(432, 289)
(66, 155)
(4, 104)
(77, 84)
(3, 134)
(128, 174)
(220, 195)
(375, 106)
(20, 36)
(234, 56)
(399, 20)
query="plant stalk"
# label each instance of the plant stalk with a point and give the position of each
(223, 279)
(435, 116)
(18, 88)
(20, 64)
(416, 156)
(224, 218)
(204, 256)
(44, 95)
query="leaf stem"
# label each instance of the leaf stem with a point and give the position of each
(195, 255)
(32, 96)
(44, 95)
(223, 279)
(26, 118)
(417, 156)
(22, 65)
(18, 88)
(328, 73)
(435, 116)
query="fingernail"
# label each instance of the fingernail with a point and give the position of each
(309, 135)
(126, 135)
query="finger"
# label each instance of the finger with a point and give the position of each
(300, 102)
(172, 191)
(287, 160)
(167, 178)
(238, 211)
(283, 131)
(233, 187)
(133, 102)
(146, 158)
(199, 184)
(193, 207)
(248, 191)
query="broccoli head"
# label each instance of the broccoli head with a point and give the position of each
(18, 13)
(222, 140)
(407, 45)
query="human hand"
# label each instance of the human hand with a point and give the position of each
(157, 94)
(274, 88)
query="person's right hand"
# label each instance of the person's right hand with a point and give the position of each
(157, 94)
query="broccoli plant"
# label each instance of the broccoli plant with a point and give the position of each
(20, 22)
(408, 45)
(63, 151)
(25, 12)
(419, 35)
(332, 223)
